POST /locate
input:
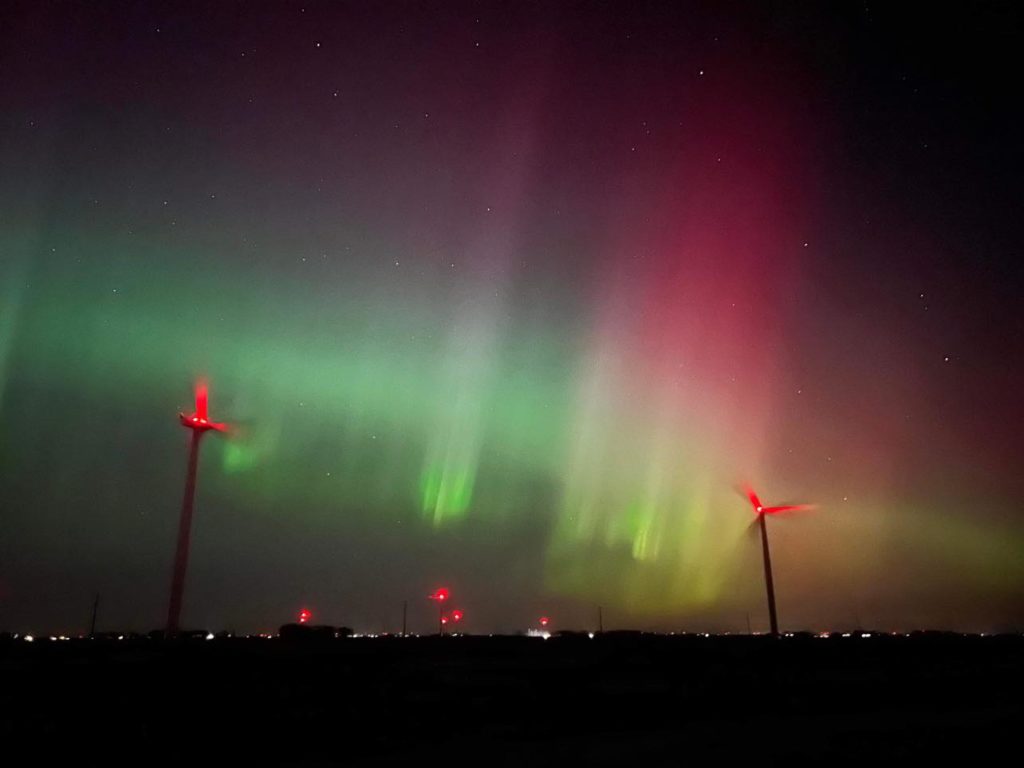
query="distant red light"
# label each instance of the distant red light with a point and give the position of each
(440, 594)
(444, 619)
(544, 621)
(305, 615)
(457, 615)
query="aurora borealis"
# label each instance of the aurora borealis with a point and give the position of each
(509, 297)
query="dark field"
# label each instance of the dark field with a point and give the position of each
(616, 699)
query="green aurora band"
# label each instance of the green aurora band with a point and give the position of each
(343, 404)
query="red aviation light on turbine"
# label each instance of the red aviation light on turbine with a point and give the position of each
(457, 616)
(305, 615)
(200, 419)
(544, 620)
(440, 595)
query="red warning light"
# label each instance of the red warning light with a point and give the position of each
(441, 594)
(544, 621)
(456, 615)
(305, 615)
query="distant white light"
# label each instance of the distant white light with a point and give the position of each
(590, 635)
(209, 635)
(29, 638)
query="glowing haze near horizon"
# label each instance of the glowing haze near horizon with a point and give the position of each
(500, 299)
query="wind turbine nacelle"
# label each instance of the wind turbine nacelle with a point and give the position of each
(199, 423)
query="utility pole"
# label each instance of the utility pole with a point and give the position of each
(95, 610)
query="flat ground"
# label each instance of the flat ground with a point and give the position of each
(616, 699)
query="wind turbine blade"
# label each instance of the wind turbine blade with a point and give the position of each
(202, 398)
(788, 508)
(752, 497)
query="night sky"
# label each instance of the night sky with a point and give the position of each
(508, 297)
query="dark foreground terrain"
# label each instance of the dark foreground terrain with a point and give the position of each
(615, 699)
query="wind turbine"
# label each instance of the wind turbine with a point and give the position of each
(440, 596)
(762, 512)
(199, 422)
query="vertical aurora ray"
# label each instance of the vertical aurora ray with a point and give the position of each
(480, 322)
(676, 389)
(453, 449)
(12, 289)
(452, 456)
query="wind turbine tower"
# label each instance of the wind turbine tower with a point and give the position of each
(199, 423)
